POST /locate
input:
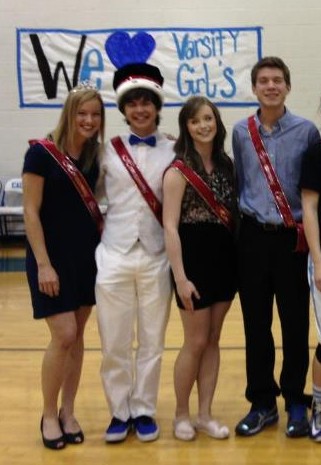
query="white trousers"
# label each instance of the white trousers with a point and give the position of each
(316, 297)
(133, 297)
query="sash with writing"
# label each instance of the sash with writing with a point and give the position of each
(151, 199)
(222, 213)
(275, 187)
(76, 178)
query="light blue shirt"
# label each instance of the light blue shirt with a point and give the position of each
(286, 144)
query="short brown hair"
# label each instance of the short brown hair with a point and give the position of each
(271, 62)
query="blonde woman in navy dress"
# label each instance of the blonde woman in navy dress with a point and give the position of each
(62, 237)
(201, 251)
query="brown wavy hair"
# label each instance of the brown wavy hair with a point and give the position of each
(184, 146)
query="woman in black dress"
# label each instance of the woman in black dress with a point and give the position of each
(201, 251)
(60, 263)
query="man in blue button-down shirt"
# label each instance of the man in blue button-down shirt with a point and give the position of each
(268, 266)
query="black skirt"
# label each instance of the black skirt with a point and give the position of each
(209, 258)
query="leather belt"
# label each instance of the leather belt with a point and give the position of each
(268, 227)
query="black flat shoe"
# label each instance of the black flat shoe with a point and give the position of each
(72, 438)
(54, 444)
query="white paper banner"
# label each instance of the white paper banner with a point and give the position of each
(214, 62)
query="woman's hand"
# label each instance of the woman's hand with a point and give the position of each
(48, 280)
(186, 290)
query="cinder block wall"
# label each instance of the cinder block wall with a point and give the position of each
(290, 30)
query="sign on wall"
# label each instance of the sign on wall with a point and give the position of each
(212, 62)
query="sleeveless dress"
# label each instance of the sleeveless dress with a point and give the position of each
(208, 248)
(71, 237)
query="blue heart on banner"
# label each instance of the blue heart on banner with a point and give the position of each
(124, 50)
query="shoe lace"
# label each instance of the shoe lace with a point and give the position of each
(317, 408)
(253, 414)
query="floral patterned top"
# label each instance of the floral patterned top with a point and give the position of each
(195, 210)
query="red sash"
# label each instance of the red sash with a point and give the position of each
(275, 187)
(223, 214)
(139, 179)
(76, 178)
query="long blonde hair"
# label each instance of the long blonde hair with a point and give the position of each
(64, 133)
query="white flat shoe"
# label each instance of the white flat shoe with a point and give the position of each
(184, 430)
(212, 428)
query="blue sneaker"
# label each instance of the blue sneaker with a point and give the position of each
(315, 425)
(118, 430)
(256, 420)
(146, 428)
(298, 425)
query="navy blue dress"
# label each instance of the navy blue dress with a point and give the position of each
(71, 237)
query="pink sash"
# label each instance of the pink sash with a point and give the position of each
(76, 178)
(139, 179)
(275, 187)
(223, 214)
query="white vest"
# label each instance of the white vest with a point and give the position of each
(129, 217)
